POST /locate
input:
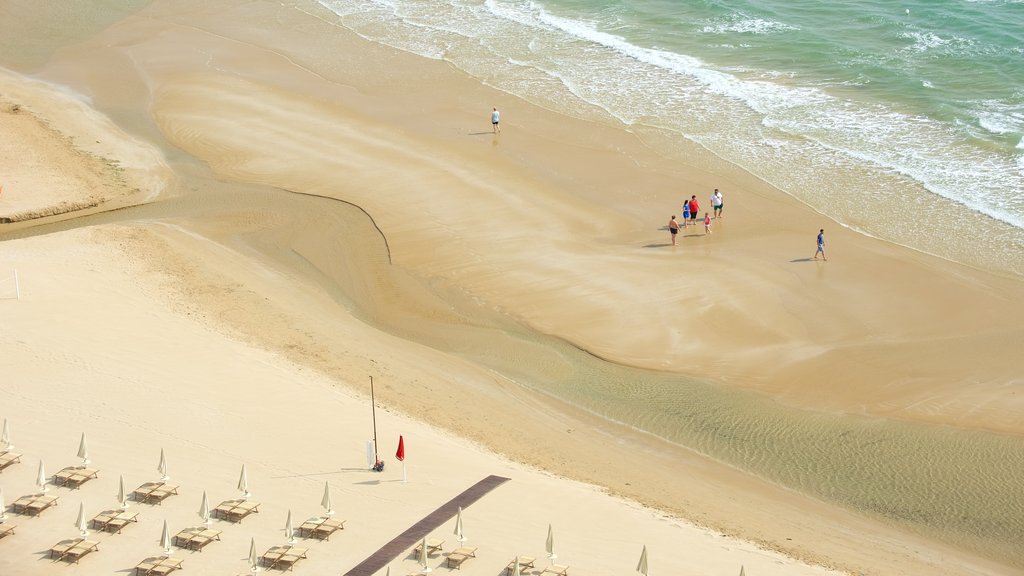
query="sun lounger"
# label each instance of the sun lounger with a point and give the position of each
(524, 563)
(154, 492)
(114, 520)
(321, 528)
(283, 557)
(72, 477)
(33, 505)
(557, 570)
(235, 510)
(196, 538)
(73, 550)
(433, 546)
(457, 557)
(157, 566)
(7, 458)
(6, 529)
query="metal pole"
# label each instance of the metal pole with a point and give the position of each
(17, 287)
(373, 410)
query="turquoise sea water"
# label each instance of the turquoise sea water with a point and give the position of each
(844, 105)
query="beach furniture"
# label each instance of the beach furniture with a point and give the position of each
(157, 566)
(7, 458)
(525, 562)
(556, 569)
(433, 546)
(235, 510)
(320, 527)
(114, 520)
(196, 538)
(73, 550)
(33, 504)
(282, 557)
(460, 555)
(74, 477)
(157, 492)
(6, 529)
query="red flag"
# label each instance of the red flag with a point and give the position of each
(400, 455)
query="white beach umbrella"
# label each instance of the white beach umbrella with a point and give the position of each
(80, 522)
(641, 566)
(243, 483)
(254, 560)
(458, 527)
(165, 540)
(515, 567)
(371, 454)
(742, 573)
(3, 506)
(83, 450)
(423, 556)
(41, 478)
(549, 544)
(162, 467)
(122, 495)
(204, 509)
(289, 533)
(5, 437)
(326, 500)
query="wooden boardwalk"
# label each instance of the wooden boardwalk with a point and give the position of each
(415, 533)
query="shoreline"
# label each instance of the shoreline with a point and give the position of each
(419, 130)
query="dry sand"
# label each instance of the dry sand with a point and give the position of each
(146, 334)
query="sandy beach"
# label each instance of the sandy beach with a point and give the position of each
(220, 235)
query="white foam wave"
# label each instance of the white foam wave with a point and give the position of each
(743, 25)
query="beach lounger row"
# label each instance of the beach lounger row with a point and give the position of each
(157, 566)
(6, 529)
(73, 477)
(235, 510)
(460, 555)
(114, 520)
(320, 528)
(196, 538)
(282, 557)
(154, 492)
(8, 458)
(33, 504)
(73, 550)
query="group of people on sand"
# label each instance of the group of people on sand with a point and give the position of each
(691, 209)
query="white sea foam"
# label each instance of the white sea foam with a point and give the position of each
(743, 25)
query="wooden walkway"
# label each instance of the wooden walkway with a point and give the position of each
(406, 540)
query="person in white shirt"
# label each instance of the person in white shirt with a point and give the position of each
(495, 118)
(716, 203)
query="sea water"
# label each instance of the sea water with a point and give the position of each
(903, 120)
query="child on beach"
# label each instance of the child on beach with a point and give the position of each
(707, 223)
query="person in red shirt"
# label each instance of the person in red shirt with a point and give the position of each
(694, 207)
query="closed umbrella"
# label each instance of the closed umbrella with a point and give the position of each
(80, 522)
(423, 556)
(165, 540)
(742, 573)
(83, 450)
(122, 495)
(641, 566)
(41, 478)
(162, 467)
(243, 483)
(204, 509)
(5, 437)
(549, 544)
(458, 526)
(515, 567)
(3, 507)
(289, 533)
(326, 500)
(254, 560)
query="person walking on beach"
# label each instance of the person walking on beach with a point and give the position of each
(495, 118)
(673, 228)
(716, 203)
(686, 213)
(707, 223)
(694, 207)
(821, 245)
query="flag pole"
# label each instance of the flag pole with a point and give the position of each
(373, 411)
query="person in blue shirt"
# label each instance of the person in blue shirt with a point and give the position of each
(821, 245)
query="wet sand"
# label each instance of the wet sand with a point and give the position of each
(457, 267)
